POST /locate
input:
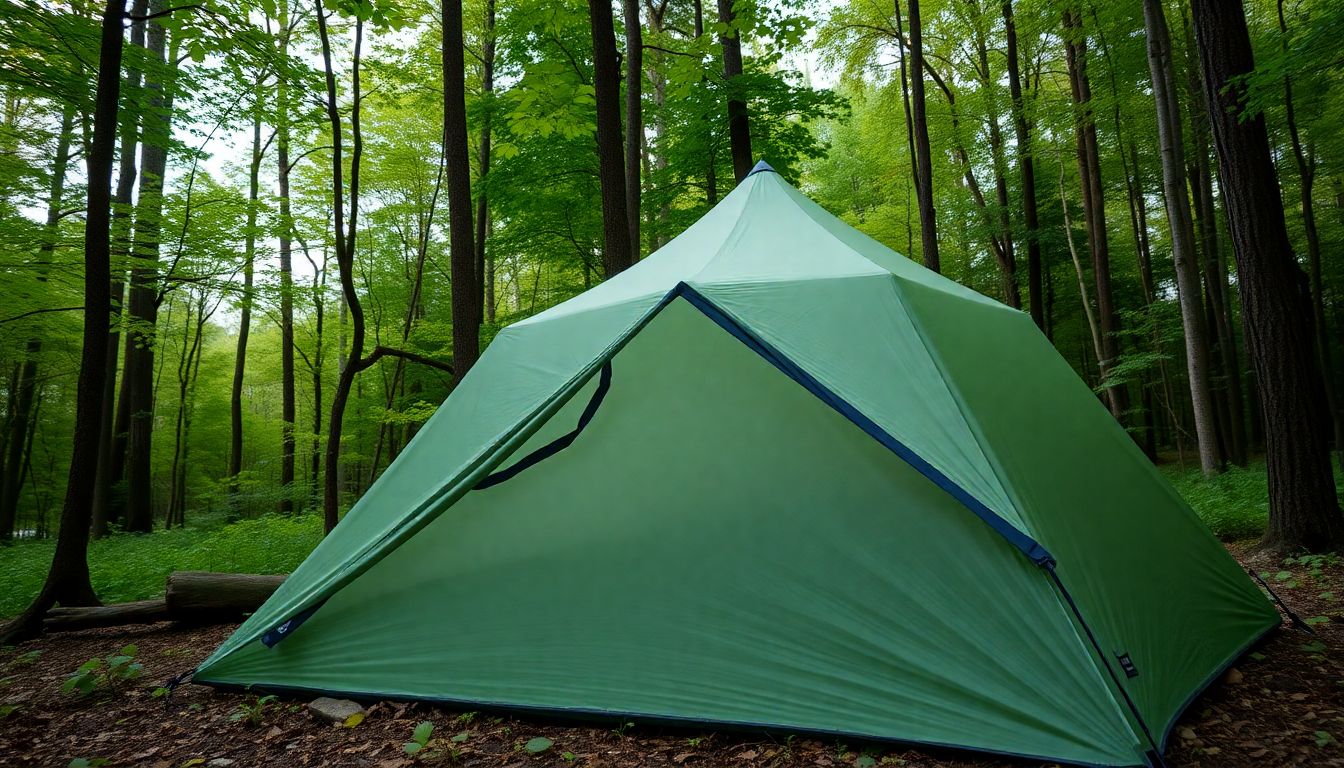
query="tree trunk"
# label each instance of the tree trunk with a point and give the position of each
(140, 337)
(739, 126)
(345, 254)
(24, 392)
(485, 263)
(616, 254)
(1172, 142)
(286, 238)
(111, 446)
(319, 356)
(245, 312)
(67, 580)
(1306, 171)
(928, 220)
(1027, 167)
(634, 118)
(1303, 506)
(1215, 272)
(466, 284)
(1002, 221)
(1094, 209)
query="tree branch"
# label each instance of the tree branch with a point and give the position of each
(379, 352)
(39, 312)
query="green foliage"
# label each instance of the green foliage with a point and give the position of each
(252, 711)
(537, 745)
(105, 673)
(88, 762)
(1234, 505)
(419, 738)
(134, 567)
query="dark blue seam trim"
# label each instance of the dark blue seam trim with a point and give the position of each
(589, 714)
(1029, 546)
(286, 628)
(560, 443)
(1154, 754)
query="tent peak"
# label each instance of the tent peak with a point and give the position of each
(761, 167)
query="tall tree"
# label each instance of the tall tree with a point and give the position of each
(466, 287)
(144, 298)
(1305, 157)
(245, 310)
(928, 219)
(634, 117)
(345, 228)
(1275, 298)
(485, 264)
(739, 126)
(112, 440)
(344, 246)
(1094, 208)
(1213, 260)
(1172, 141)
(616, 252)
(1026, 162)
(286, 241)
(67, 580)
(23, 395)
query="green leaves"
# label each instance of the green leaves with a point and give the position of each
(253, 712)
(538, 745)
(108, 672)
(419, 738)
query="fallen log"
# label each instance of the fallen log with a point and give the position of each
(191, 597)
(143, 612)
(203, 597)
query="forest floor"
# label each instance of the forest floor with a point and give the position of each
(1281, 705)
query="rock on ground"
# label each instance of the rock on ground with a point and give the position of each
(334, 710)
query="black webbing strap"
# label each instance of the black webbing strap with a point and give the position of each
(1292, 617)
(560, 443)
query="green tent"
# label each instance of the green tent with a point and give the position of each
(774, 475)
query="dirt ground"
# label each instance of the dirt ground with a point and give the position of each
(1281, 705)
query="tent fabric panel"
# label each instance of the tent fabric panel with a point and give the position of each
(1148, 576)
(519, 373)
(717, 545)
(855, 336)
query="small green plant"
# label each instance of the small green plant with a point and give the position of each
(87, 762)
(1323, 738)
(621, 729)
(865, 761)
(568, 757)
(252, 712)
(24, 659)
(8, 709)
(419, 738)
(461, 737)
(108, 673)
(695, 741)
(537, 745)
(1315, 564)
(465, 718)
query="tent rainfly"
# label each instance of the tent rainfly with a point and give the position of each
(778, 476)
